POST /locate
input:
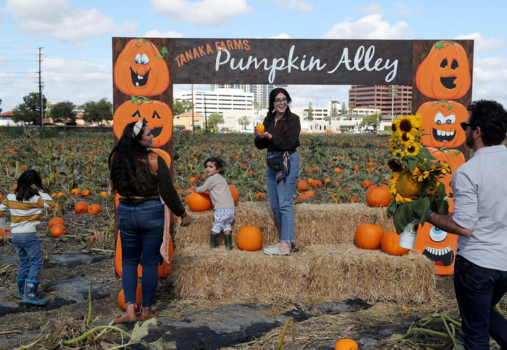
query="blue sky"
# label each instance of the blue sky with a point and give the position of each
(76, 37)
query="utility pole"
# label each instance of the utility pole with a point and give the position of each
(205, 113)
(40, 89)
(193, 128)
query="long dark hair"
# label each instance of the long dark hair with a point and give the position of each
(24, 189)
(126, 162)
(270, 118)
(491, 117)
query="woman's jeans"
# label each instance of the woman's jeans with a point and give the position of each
(141, 232)
(281, 196)
(478, 290)
(30, 255)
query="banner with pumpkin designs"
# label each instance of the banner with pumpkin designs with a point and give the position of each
(444, 77)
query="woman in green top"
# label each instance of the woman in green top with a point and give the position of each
(141, 213)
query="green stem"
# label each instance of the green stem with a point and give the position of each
(84, 335)
(280, 342)
(89, 305)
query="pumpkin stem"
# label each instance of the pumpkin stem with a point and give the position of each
(142, 99)
(373, 220)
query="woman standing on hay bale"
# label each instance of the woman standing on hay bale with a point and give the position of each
(142, 178)
(221, 197)
(280, 136)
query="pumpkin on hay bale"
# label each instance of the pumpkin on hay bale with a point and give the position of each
(249, 238)
(199, 202)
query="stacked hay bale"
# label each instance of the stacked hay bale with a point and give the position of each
(328, 265)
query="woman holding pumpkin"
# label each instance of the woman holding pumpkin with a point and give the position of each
(281, 138)
(143, 179)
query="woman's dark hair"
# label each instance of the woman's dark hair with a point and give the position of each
(24, 189)
(270, 118)
(126, 162)
(219, 164)
(491, 117)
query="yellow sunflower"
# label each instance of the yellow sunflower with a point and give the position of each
(393, 146)
(398, 153)
(412, 149)
(407, 187)
(410, 124)
(419, 174)
(395, 128)
(407, 137)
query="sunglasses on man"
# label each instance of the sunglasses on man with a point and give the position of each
(465, 124)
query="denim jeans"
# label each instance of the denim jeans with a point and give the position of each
(141, 233)
(478, 290)
(281, 196)
(30, 255)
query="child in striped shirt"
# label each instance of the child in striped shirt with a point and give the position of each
(25, 206)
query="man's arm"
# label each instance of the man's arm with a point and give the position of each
(446, 223)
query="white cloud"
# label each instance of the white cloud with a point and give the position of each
(318, 95)
(215, 12)
(483, 44)
(490, 75)
(57, 19)
(398, 8)
(298, 5)
(158, 34)
(281, 36)
(368, 27)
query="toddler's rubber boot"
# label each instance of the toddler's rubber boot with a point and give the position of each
(31, 293)
(213, 240)
(228, 241)
(20, 282)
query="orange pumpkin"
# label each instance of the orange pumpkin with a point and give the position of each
(445, 72)
(140, 69)
(378, 196)
(165, 156)
(235, 194)
(366, 184)
(260, 196)
(369, 236)
(249, 238)
(57, 230)
(75, 192)
(139, 298)
(85, 193)
(302, 197)
(199, 202)
(441, 124)
(104, 194)
(346, 344)
(260, 128)
(163, 269)
(55, 221)
(316, 184)
(390, 244)
(455, 159)
(156, 114)
(81, 207)
(438, 246)
(93, 237)
(2, 233)
(94, 209)
(303, 186)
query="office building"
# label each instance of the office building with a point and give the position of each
(390, 100)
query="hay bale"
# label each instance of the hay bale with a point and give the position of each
(314, 223)
(325, 272)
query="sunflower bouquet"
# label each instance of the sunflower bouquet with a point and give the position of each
(415, 177)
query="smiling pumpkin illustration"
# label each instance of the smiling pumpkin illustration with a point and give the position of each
(441, 124)
(140, 69)
(445, 72)
(438, 246)
(156, 114)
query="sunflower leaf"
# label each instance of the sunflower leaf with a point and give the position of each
(402, 217)
(391, 209)
(421, 207)
(412, 163)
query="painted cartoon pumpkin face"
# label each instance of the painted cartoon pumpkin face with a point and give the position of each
(445, 72)
(140, 69)
(441, 124)
(156, 114)
(438, 246)
(455, 159)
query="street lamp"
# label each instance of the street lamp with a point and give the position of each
(392, 102)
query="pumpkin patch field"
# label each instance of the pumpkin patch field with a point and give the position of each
(329, 289)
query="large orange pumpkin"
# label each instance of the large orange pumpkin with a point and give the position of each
(249, 238)
(165, 156)
(438, 246)
(445, 72)
(81, 207)
(55, 221)
(346, 344)
(390, 244)
(235, 194)
(156, 114)
(163, 269)
(455, 159)
(139, 298)
(140, 69)
(369, 236)
(57, 230)
(378, 196)
(441, 124)
(199, 202)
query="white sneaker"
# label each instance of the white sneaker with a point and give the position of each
(275, 250)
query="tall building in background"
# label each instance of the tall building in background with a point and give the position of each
(218, 100)
(390, 100)
(260, 91)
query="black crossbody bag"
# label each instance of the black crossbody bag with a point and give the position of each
(275, 163)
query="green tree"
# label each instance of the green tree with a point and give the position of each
(344, 108)
(63, 112)
(214, 119)
(0, 105)
(310, 111)
(371, 120)
(97, 112)
(29, 111)
(244, 121)
(180, 107)
(334, 111)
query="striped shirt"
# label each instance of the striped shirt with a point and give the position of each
(25, 215)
